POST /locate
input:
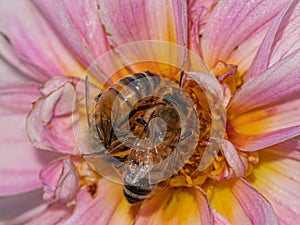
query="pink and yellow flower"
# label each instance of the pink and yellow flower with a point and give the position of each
(251, 47)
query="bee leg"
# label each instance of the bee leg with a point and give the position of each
(186, 135)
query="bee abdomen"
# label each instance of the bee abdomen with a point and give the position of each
(135, 194)
(142, 84)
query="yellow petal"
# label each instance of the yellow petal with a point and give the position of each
(176, 206)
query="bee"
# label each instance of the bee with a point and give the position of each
(142, 130)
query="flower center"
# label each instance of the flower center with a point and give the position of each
(190, 175)
(137, 113)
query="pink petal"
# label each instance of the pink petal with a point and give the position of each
(262, 59)
(52, 215)
(278, 179)
(78, 26)
(288, 149)
(244, 53)
(257, 142)
(60, 180)
(13, 206)
(194, 38)
(21, 69)
(288, 41)
(256, 207)
(176, 206)
(20, 162)
(232, 23)
(49, 124)
(156, 33)
(240, 203)
(12, 70)
(18, 98)
(131, 21)
(34, 38)
(195, 7)
(26, 216)
(265, 110)
(99, 208)
(199, 12)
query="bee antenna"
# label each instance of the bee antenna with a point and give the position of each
(87, 101)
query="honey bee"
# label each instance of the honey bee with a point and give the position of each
(144, 128)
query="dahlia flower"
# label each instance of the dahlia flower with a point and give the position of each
(243, 56)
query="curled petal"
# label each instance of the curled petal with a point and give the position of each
(237, 164)
(55, 83)
(265, 110)
(60, 180)
(49, 124)
(227, 94)
(278, 179)
(99, 207)
(194, 38)
(237, 201)
(176, 206)
(34, 39)
(209, 84)
(197, 7)
(199, 12)
(284, 31)
(232, 23)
